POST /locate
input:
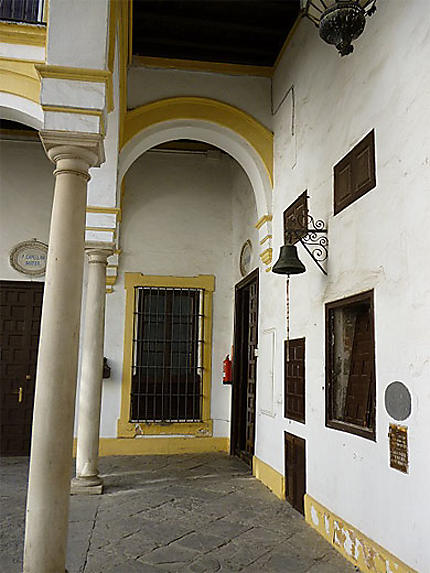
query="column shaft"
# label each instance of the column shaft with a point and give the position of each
(87, 479)
(53, 418)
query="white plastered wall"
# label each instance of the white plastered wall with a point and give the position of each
(251, 94)
(26, 193)
(179, 212)
(378, 242)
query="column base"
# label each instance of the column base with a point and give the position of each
(92, 485)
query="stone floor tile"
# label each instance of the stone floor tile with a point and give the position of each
(173, 514)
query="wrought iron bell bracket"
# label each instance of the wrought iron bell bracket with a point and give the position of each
(312, 234)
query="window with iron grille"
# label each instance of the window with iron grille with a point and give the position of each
(167, 368)
(28, 11)
(350, 363)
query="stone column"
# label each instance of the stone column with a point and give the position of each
(54, 404)
(87, 480)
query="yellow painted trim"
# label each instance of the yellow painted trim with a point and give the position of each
(113, 20)
(202, 66)
(264, 239)
(123, 65)
(287, 41)
(160, 446)
(19, 77)
(268, 269)
(102, 229)
(266, 256)
(127, 429)
(109, 210)
(200, 108)
(361, 551)
(130, 31)
(262, 220)
(269, 476)
(26, 34)
(80, 110)
(74, 74)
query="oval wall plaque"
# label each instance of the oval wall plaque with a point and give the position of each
(245, 258)
(398, 401)
(29, 257)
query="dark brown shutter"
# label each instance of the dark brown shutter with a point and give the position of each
(295, 380)
(296, 217)
(357, 408)
(355, 174)
(295, 471)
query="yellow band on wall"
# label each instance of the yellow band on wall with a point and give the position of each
(205, 109)
(364, 553)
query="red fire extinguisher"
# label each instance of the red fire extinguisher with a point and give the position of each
(226, 371)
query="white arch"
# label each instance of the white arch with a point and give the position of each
(16, 108)
(212, 133)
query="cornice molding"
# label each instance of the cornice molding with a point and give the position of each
(74, 74)
(26, 34)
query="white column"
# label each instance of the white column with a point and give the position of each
(87, 480)
(53, 418)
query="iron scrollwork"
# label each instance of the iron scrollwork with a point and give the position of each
(312, 234)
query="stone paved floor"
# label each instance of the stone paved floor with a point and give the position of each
(188, 513)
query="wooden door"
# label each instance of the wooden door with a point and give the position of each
(244, 368)
(20, 312)
(295, 471)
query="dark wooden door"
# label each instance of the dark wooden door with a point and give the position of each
(20, 311)
(295, 471)
(244, 368)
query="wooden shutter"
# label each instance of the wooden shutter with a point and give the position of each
(355, 174)
(295, 380)
(295, 471)
(358, 393)
(296, 217)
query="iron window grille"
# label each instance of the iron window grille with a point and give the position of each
(167, 367)
(28, 11)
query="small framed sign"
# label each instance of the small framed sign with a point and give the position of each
(29, 257)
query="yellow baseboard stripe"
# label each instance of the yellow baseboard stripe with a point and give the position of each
(159, 446)
(270, 477)
(361, 551)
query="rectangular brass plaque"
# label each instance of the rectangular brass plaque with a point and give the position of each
(398, 436)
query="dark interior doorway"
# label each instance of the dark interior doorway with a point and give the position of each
(20, 312)
(244, 368)
(295, 471)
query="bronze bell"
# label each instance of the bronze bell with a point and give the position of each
(288, 262)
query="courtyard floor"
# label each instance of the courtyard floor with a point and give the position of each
(184, 513)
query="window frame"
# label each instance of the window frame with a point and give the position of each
(350, 160)
(331, 422)
(128, 429)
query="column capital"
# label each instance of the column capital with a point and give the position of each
(98, 251)
(82, 147)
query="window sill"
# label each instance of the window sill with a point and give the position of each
(135, 429)
(367, 433)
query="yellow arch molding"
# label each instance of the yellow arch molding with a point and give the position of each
(205, 109)
(19, 77)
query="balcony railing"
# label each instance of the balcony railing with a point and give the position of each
(28, 11)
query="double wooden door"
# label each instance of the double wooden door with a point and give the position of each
(244, 369)
(20, 312)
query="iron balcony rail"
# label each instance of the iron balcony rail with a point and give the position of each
(25, 11)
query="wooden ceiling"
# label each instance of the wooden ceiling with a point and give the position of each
(233, 32)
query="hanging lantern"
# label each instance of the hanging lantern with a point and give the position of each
(340, 21)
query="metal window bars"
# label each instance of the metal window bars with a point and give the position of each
(167, 366)
(28, 11)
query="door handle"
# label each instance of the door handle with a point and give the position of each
(19, 392)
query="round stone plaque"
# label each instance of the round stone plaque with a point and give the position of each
(245, 258)
(398, 401)
(29, 257)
